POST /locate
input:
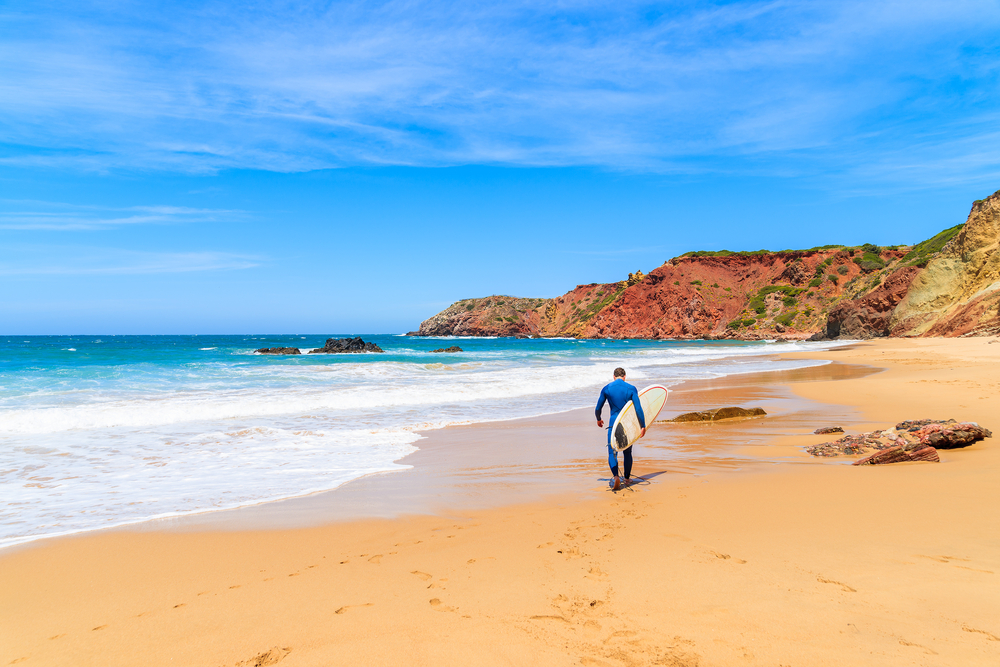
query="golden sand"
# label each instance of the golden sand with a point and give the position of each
(738, 550)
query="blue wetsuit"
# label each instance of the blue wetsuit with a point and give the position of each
(618, 394)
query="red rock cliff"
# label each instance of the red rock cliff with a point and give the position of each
(947, 285)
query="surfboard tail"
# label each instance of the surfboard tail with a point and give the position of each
(621, 438)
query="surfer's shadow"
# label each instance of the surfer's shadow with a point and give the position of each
(636, 481)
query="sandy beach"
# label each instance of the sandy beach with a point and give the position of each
(738, 549)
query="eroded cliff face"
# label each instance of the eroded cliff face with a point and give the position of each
(748, 296)
(958, 293)
(946, 286)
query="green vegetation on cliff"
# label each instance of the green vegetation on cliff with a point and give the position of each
(921, 253)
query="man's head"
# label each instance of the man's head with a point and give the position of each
(619, 373)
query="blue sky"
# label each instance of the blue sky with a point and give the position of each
(199, 167)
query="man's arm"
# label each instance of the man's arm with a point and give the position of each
(600, 406)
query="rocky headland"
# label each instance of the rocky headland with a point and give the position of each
(948, 285)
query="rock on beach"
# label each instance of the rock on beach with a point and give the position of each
(278, 350)
(915, 440)
(717, 414)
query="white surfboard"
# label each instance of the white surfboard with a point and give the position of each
(625, 430)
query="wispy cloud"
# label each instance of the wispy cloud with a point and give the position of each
(77, 261)
(685, 86)
(40, 215)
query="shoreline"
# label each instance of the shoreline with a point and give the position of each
(794, 564)
(273, 513)
(404, 492)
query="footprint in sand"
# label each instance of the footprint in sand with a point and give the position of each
(232, 587)
(988, 635)
(847, 589)
(728, 557)
(58, 636)
(440, 606)
(930, 651)
(376, 559)
(270, 657)
(178, 606)
(422, 575)
(99, 627)
(353, 606)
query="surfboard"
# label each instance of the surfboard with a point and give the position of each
(625, 430)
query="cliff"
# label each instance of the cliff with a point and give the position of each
(948, 285)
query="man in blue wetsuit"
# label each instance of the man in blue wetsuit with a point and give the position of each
(618, 393)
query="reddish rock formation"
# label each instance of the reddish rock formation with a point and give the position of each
(899, 454)
(916, 440)
(827, 292)
(870, 316)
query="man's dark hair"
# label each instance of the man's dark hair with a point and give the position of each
(619, 372)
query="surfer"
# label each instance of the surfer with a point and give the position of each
(618, 393)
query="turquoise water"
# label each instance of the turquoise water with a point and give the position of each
(98, 431)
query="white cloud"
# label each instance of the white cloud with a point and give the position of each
(82, 261)
(291, 86)
(40, 215)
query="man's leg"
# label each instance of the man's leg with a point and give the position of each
(613, 464)
(628, 463)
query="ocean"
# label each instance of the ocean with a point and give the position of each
(101, 431)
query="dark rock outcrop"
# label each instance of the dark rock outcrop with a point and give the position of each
(717, 414)
(828, 429)
(453, 348)
(278, 350)
(346, 345)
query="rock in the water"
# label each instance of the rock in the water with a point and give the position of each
(717, 414)
(828, 429)
(278, 350)
(453, 348)
(346, 345)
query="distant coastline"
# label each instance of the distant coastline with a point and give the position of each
(940, 287)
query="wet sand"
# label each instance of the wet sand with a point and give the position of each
(503, 545)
